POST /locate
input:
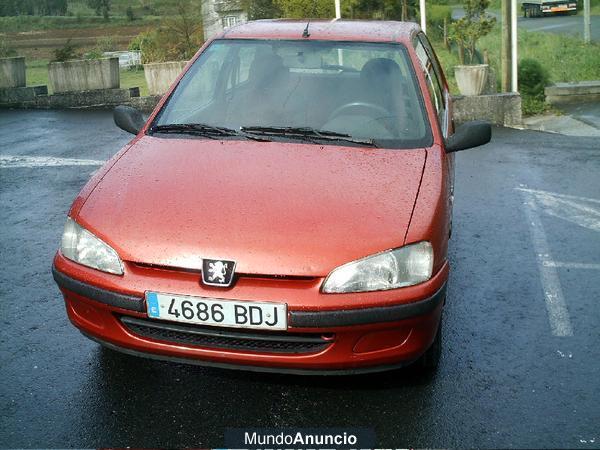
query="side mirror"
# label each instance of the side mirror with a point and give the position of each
(128, 119)
(469, 135)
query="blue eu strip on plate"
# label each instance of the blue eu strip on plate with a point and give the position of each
(152, 301)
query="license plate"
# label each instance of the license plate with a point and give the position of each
(216, 312)
(559, 8)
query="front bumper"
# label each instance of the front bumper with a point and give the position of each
(357, 340)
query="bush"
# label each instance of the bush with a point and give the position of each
(530, 106)
(177, 39)
(106, 44)
(533, 78)
(6, 50)
(299, 9)
(161, 45)
(65, 53)
(436, 14)
(94, 54)
(129, 14)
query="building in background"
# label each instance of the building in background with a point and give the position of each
(218, 15)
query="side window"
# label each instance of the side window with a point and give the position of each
(434, 84)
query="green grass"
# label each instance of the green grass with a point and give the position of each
(119, 7)
(38, 23)
(80, 15)
(134, 78)
(37, 73)
(565, 58)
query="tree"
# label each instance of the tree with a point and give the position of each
(5, 49)
(302, 9)
(262, 9)
(102, 7)
(473, 26)
(178, 38)
(33, 7)
(186, 24)
(381, 9)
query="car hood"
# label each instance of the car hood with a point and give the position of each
(275, 208)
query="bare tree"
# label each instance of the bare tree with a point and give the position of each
(187, 25)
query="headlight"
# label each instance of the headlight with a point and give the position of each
(83, 247)
(401, 267)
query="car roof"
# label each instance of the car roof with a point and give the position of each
(331, 30)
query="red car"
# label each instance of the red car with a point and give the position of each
(286, 207)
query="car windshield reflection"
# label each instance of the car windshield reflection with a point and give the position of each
(365, 92)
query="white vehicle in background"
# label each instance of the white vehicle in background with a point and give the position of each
(541, 8)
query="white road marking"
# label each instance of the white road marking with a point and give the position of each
(555, 194)
(558, 314)
(10, 162)
(571, 265)
(582, 211)
(562, 355)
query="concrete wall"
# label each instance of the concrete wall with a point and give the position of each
(160, 76)
(582, 92)
(499, 109)
(12, 72)
(84, 75)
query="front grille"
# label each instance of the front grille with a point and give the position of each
(237, 275)
(213, 337)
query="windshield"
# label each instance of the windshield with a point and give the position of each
(308, 90)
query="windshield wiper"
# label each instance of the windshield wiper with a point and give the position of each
(306, 133)
(198, 129)
(201, 129)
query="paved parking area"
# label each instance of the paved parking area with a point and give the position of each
(521, 363)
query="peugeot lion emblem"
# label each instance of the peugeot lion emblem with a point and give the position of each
(217, 272)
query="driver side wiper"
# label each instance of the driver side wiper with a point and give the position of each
(202, 129)
(199, 129)
(306, 132)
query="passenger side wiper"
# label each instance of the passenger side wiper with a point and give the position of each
(306, 132)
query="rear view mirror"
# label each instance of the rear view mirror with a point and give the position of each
(469, 135)
(128, 119)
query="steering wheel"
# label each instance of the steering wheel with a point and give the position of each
(357, 106)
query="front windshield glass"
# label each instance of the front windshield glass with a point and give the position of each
(364, 91)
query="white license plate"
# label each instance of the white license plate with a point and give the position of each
(216, 312)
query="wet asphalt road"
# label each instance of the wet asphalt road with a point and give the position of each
(505, 379)
(562, 24)
(556, 24)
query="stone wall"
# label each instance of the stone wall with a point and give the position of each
(37, 97)
(499, 109)
(12, 72)
(21, 96)
(216, 12)
(160, 76)
(84, 75)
